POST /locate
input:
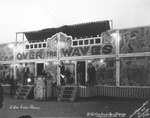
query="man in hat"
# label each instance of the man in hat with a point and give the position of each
(62, 73)
(91, 74)
(12, 86)
(26, 73)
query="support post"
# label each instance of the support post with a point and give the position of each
(117, 59)
(58, 57)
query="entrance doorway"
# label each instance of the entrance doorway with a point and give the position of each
(81, 67)
(40, 67)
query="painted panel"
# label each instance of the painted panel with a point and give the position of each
(135, 40)
(6, 52)
(51, 67)
(135, 71)
(106, 47)
(6, 71)
(109, 40)
(104, 71)
(19, 71)
(48, 53)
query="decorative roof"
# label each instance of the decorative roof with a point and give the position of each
(91, 29)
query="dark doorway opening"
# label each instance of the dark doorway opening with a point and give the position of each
(40, 67)
(81, 72)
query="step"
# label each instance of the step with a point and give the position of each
(25, 87)
(23, 90)
(69, 88)
(20, 97)
(63, 100)
(66, 96)
(67, 92)
(22, 94)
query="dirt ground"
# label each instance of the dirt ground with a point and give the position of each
(88, 108)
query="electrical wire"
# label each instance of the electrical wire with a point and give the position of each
(47, 13)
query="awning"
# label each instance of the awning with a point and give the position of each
(83, 30)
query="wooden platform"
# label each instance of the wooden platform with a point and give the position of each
(108, 91)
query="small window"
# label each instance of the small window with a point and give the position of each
(92, 41)
(27, 46)
(40, 45)
(44, 45)
(75, 43)
(80, 42)
(97, 40)
(35, 45)
(31, 46)
(86, 42)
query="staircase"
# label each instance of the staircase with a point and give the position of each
(24, 92)
(67, 94)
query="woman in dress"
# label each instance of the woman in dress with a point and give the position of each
(49, 80)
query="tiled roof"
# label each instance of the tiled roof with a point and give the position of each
(83, 30)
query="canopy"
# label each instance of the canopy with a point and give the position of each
(83, 30)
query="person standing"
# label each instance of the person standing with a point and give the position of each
(97, 74)
(26, 72)
(1, 95)
(68, 75)
(43, 73)
(49, 81)
(12, 86)
(91, 74)
(62, 73)
(80, 74)
(102, 72)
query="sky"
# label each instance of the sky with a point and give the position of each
(32, 15)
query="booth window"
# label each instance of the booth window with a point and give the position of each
(91, 41)
(35, 45)
(86, 42)
(31, 46)
(97, 40)
(75, 43)
(40, 45)
(44, 45)
(6, 71)
(81, 42)
(135, 71)
(105, 71)
(19, 67)
(27, 46)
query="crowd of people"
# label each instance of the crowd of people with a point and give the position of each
(43, 86)
(65, 75)
(95, 73)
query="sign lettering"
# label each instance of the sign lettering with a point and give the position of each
(36, 55)
(87, 50)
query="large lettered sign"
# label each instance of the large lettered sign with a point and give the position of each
(63, 44)
(87, 50)
(36, 54)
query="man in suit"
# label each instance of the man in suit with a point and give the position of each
(91, 74)
(12, 86)
(62, 73)
(26, 73)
